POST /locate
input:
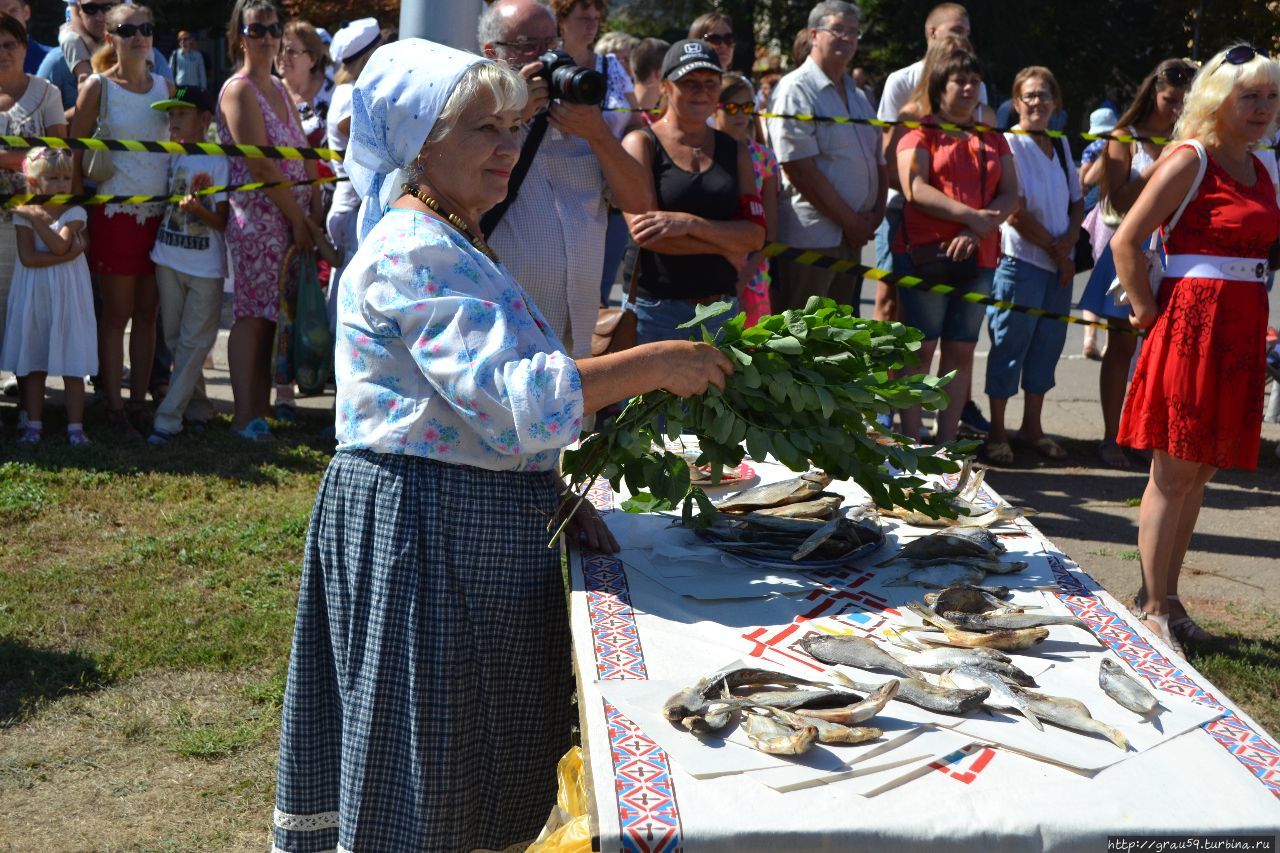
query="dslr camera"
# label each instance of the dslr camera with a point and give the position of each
(570, 82)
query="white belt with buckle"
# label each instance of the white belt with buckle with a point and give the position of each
(1215, 266)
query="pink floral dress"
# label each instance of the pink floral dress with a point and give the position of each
(258, 234)
(755, 300)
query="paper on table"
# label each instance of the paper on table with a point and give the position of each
(1079, 681)
(710, 582)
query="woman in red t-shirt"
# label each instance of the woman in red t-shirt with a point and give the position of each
(958, 187)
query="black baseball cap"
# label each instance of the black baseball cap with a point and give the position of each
(689, 55)
(187, 96)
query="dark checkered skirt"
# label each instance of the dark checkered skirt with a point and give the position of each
(429, 689)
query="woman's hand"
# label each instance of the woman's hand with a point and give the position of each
(586, 527)
(984, 223)
(688, 368)
(304, 234)
(655, 225)
(962, 246)
(1143, 312)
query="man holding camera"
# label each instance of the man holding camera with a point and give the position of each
(552, 235)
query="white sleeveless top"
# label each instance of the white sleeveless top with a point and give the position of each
(129, 116)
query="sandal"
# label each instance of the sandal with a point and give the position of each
(1159, 625)
(998, 452)
(1045, 446)
(1186, 629)
(120, 424)
(1113, 456)
(1091, 350)
(257, 431)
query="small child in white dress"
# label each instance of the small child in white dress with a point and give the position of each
(50, 327)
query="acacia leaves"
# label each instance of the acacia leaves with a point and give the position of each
(807, 387)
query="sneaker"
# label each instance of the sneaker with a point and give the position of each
(972, 421)
(78, 439)
(10, 387)
(30, 437)
(160, 438)
(257, 431)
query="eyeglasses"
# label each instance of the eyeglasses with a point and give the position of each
(1179, 75)
(92, 9)
(128, 31)
(291, 52)
(1036, 98)
(726, 40)
(530, 47)
(257, 31)
(747, 109)
(840, 33)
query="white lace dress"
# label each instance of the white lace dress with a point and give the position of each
(129, 116)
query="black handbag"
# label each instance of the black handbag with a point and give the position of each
(1083, 257)
(930, 260)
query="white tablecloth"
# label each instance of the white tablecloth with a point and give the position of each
(940, 788)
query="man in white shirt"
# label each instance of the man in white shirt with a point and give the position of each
(832, 192)
(552, 236)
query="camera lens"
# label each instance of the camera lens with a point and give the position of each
(578, 85)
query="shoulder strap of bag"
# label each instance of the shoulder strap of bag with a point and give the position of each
(102, 100)
(537, 130)
(1195, 185)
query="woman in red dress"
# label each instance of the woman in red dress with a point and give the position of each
(1196, 397)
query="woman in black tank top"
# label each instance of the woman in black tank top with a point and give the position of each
(694, 245)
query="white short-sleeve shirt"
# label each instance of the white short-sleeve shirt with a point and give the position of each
(849, 155)
(1046, 191)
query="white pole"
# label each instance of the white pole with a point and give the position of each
(451, 22)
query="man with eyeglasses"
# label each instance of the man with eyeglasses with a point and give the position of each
(552, 236)
(78, 39)
(833, 175)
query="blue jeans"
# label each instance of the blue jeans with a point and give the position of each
(656, 319)
(948, 317)
(615, 246)
(1023, 346)
(885, 232)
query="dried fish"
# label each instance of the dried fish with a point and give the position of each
(832, 733)
(1128, 692)
(822, 506)
(768, 732)
(802, 488)
(964, 599)
(1002, 694)
(942, 658)
(1005, 640)
(852, 650)
(691, 705)
(1070, 714)
(1010, 621)
(860, 712)
(922, 694)
(936, 577)
(960, 543)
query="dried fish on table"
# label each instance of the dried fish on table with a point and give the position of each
(1002, 694)
(1128, 692)
(691, 706)
(936, 577)
(942, 658)
(856, 651)
(951, 544)
(1070, 714)
(769, 732)
(1010, 621)
(798, 489)
(822, 506)
(792, 540)
(922, 694)
(832, 733)
(966, 599)
(1005, 639)
(857, 713)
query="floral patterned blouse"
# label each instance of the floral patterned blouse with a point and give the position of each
(441, 354)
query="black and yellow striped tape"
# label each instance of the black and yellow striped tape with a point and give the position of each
(817, 259)
(11, 200)
(136, 146)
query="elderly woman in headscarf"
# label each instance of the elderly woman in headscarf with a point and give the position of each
(428, 697)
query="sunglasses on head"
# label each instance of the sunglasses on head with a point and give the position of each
(128, 31)
(92, 9)
(719, 40)
(1240, 54)
(734, 109)
(1179, 75)
(257, 31)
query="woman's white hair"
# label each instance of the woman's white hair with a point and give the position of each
(1212, 85)
(499, 81)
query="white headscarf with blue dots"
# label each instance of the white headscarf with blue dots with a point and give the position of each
(396, 101)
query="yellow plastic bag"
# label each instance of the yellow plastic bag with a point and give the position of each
(568, 830)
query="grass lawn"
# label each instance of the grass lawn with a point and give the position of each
(146, 609)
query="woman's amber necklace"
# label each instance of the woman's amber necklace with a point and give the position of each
(453, 219)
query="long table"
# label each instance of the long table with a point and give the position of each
(1220, 777)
